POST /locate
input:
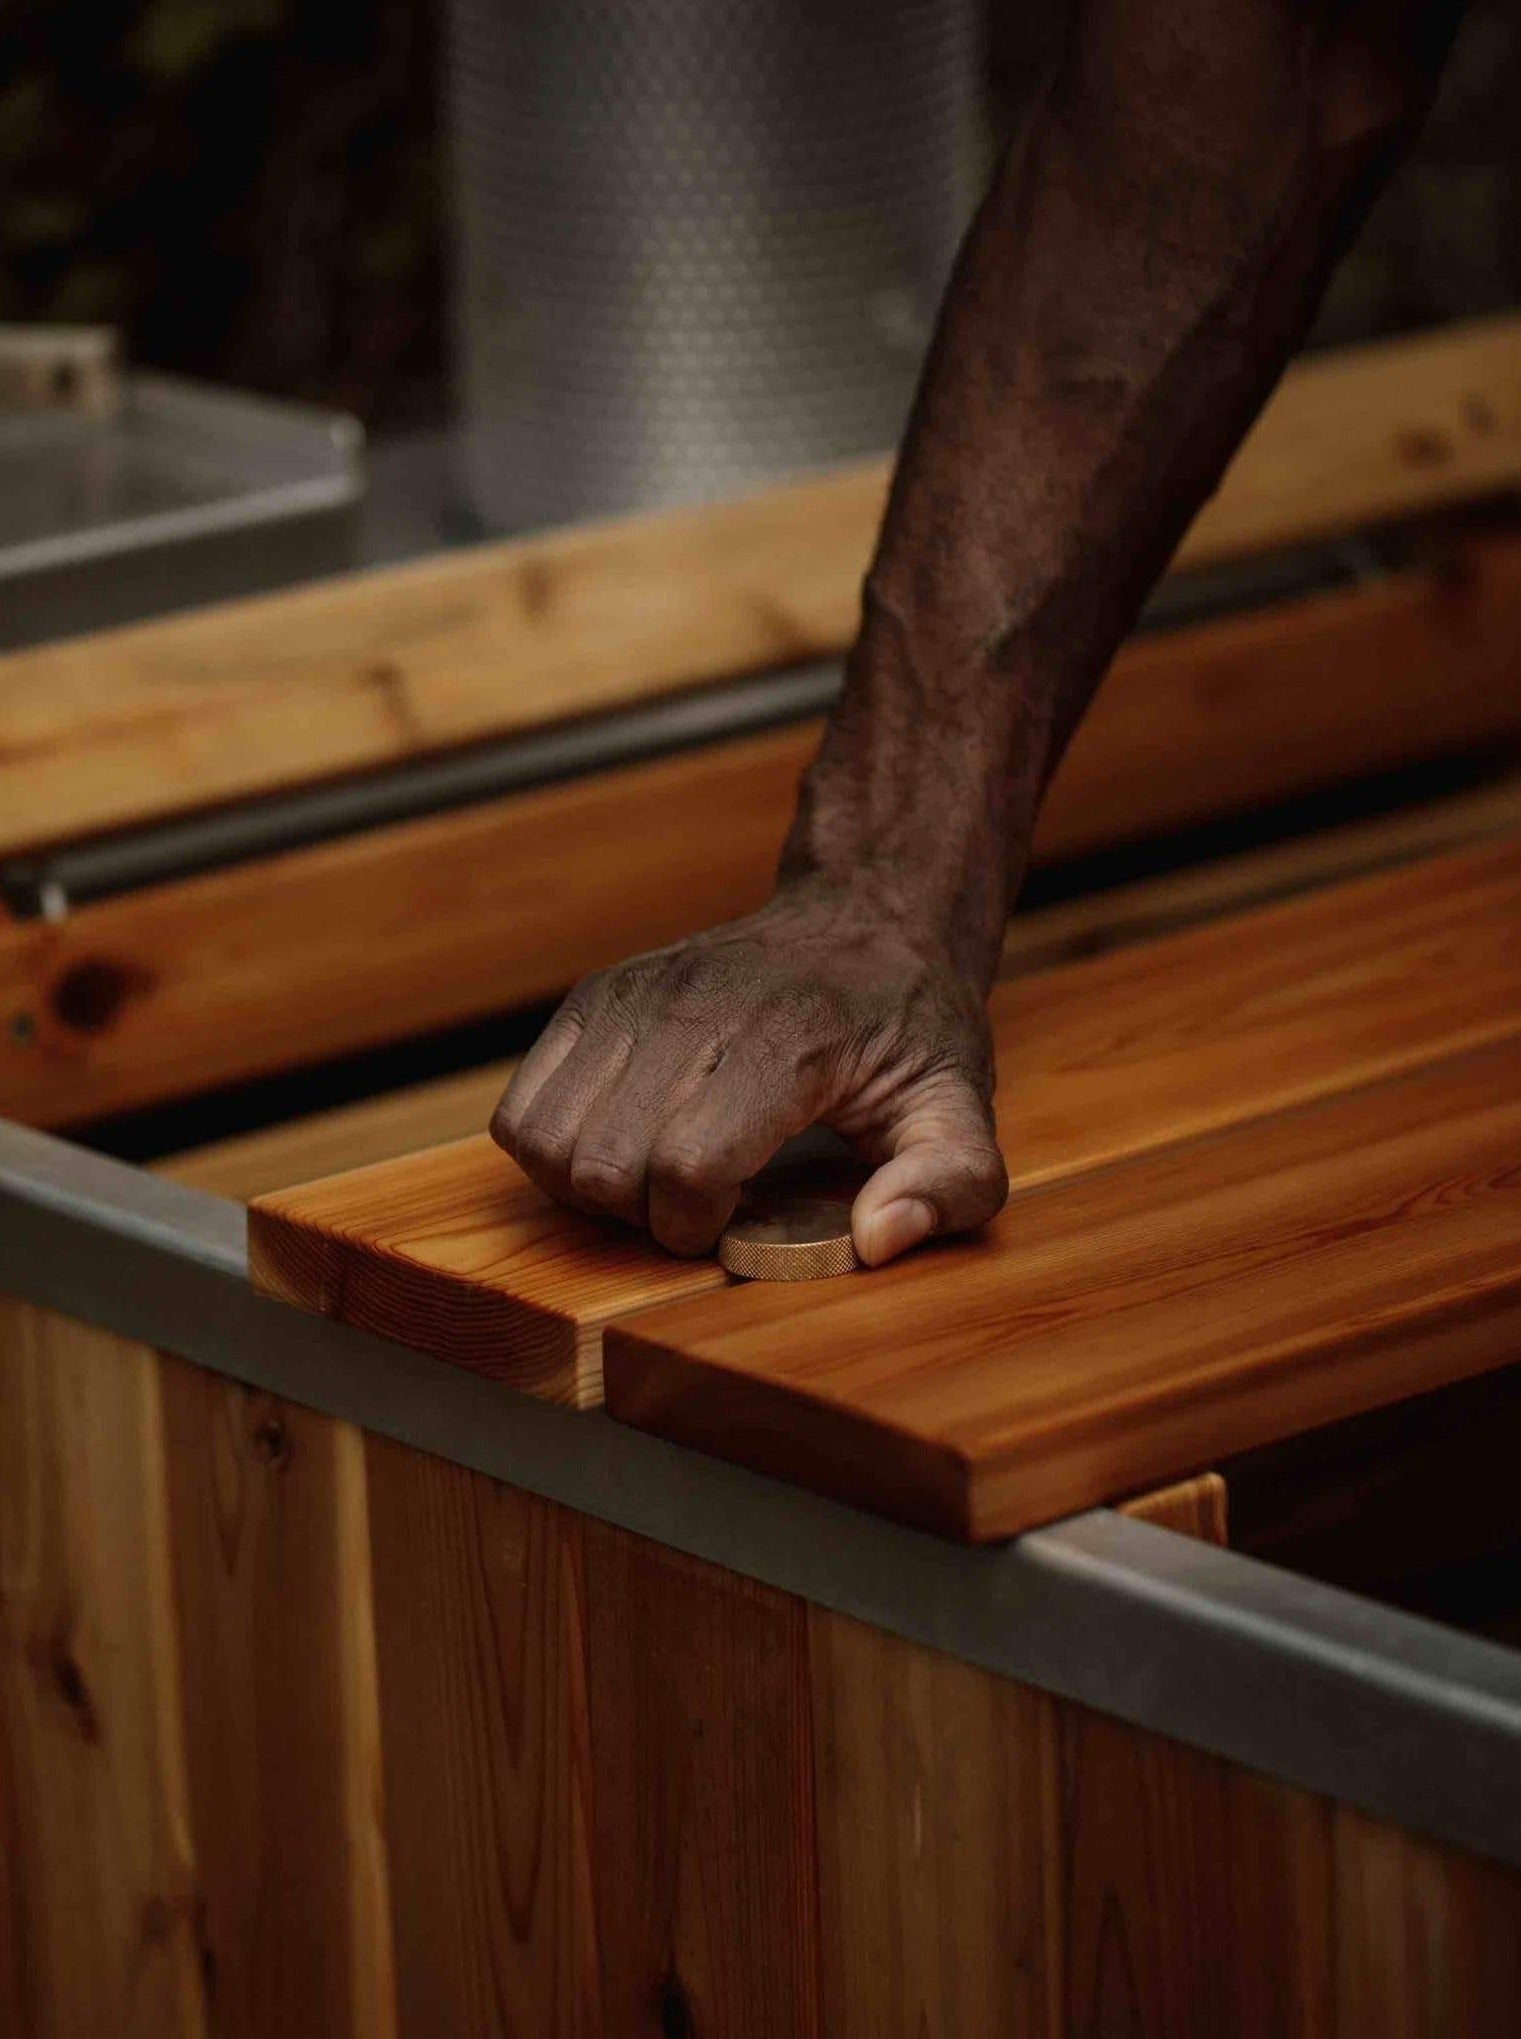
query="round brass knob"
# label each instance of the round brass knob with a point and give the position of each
(793, 1226)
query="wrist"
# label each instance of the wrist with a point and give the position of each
(943, 882)
(921, 800)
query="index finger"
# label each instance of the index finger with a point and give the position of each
(535, 1070)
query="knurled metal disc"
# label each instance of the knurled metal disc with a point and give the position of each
(795, 1227)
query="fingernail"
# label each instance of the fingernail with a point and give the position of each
(895, 1228)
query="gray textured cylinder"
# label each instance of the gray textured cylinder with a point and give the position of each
(698, 242)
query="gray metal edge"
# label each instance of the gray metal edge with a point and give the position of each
(1412, 1722)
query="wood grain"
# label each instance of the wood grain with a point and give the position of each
(479, 1615)
(455, 1253)
(937, 1825)
(99, 1878)
(625, 1792)
(1428, 1942)
(1129, 1322)
(245, 698)
(266, 1506)
(347, 1136)
(1195, 1898)
(937, 1799)
(706, 1892)
(429, 923)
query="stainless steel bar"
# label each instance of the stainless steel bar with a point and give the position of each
(1415, 1723)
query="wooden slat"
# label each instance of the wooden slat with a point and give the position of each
(1132, 1321)
(937, 1794)
(475, 1266)
(452, 1107)
(626, 1792)
(480, 1620)
(359, 672)
(423, 925)
(1428, 1943)
(99, 1875)
(706, 1893)
(272, 1576)
(1195, 1898)
(348, 1136)
(456, 1253)
(937, 1829)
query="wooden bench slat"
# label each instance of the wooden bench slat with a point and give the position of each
(1148, 1048)
(1129, 1323)
(99, 732)
(430, 923)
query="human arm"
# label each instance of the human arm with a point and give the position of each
(1148, 257)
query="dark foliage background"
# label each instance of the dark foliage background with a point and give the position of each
(256, 189)
(249, 187)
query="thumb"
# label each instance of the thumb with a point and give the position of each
(944, 1174)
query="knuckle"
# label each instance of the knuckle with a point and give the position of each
(695, 979)
(542, 1147)
(684, 1171)
(604, 1179)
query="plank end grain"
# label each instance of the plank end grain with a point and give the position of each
(456, 1254)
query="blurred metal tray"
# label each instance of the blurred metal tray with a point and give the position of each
(185, 494)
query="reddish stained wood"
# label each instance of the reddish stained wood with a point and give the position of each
(707, 1903)
(1126, 1323)
(453, 1252)
(272, 1575)
(1195, 1898)
(101, 731)
(456, 1253)
(428, 923)
(479, 1615)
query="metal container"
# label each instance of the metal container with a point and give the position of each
(181, 494)
(698, 242)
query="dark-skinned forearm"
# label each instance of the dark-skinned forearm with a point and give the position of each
(1149, 256)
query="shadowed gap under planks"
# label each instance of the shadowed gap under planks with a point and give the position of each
(428, 923)
(454, 1252)
(256, 695)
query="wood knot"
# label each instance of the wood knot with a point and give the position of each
(676, 2021)
(1424, 447)
(90, 997)
(69, 1683)
(271, 1443)
(157, 1921)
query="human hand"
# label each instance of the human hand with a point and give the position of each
(662, 1085)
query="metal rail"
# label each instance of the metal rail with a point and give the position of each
(161, 852)
(1415, 1723)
